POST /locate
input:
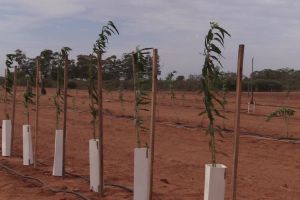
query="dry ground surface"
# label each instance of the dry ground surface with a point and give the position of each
(269, 165)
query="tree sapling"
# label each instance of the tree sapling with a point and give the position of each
(284, 113)
(210, 76)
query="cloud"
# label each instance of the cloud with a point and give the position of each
(269, 28)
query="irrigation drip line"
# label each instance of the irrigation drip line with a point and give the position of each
(276, 106)
(86, 178)
(227, 111)
(106, 184)
(41, 183)
(175, 125)
(243, 133)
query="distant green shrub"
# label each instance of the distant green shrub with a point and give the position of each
(72, 85)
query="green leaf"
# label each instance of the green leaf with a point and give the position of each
(215, 49)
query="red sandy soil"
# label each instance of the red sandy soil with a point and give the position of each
(268, 168)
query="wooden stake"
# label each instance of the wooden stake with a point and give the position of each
(65, 113)
(58, 81)
(37, 101)
(5, 95)
(252, 95)
(100, 125)
(237, 118)
(138, 142)
(153, 117)
(58, 95)
(13, 108)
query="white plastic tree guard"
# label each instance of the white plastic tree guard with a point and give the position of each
(94, 165)
(141, 187)
(214, 187)
(58, 153)
(27, 145)
(6, 137)
(251, 107)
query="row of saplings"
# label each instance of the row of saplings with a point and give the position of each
(144, 151)
(142, 59)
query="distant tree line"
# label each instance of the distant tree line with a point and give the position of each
(285, 79)
(120, 69)
(114, 69)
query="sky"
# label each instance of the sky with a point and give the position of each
(270, 29)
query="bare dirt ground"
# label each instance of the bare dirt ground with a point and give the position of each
(269, 167)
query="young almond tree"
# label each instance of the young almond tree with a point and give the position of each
(28, 95)
(93, 94)
(210, 77)
(121, 93)
(99, 49)
(141, 81)
(283, 113)
(170, 80)
(58, 98)
(8, 86)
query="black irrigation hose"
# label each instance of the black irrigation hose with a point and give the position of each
(182, 125)
(42, 184)
(243, 133)
(86, 178)
(122, 186)
(119, 186)
(105, 184)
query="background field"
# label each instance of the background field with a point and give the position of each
(269, 166)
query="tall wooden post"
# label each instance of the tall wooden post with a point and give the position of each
(252, 95)
(138, 142)
(100, 124)
(37, 101)
(58, 94)
(13, 109)
(5, 96)
(237, 119)
(65, 112)
(153, 118)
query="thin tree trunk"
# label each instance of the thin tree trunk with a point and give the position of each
(287, 126)
(58, 92)
(27, 104)
(153, 118)
(14, 108)
(237, 119)
(5, 97)
(100, 116)
(37, 111)
(136, 110)
(43, 89)
(65, 112)
(213, 148)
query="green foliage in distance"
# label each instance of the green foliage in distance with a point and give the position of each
(170, 80)
(121, 93)
(283, 113)
(210, 77)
